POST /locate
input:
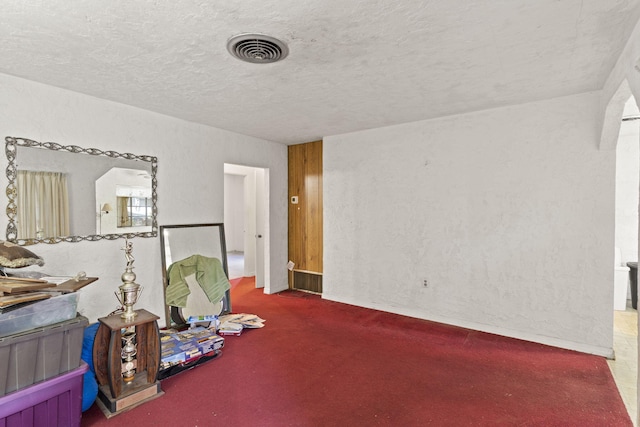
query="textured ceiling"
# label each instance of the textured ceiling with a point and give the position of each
(353, 64)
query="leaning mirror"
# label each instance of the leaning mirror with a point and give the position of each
(188, 249)
(65, 193)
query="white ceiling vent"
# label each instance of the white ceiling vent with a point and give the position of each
(257, 48)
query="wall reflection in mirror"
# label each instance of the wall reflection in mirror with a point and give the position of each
(59, 193)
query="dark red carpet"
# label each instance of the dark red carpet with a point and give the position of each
(321, 363)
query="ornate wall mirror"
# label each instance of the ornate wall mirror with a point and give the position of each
(59, 193)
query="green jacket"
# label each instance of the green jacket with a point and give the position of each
(209, 274)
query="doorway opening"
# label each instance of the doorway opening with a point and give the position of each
(246, 218)
(625, 334)
(235, 260)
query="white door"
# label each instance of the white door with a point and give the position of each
(262, 214)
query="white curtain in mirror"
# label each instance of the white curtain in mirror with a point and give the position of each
(43, 204)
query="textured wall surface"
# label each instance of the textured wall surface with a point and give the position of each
(507, 213)
(234, 212)
(191, 161)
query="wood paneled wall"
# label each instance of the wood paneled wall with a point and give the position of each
(305, 217)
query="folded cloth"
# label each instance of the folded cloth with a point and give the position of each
(209, 274)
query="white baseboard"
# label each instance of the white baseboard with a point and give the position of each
(540, 339)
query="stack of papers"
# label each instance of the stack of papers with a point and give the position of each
(233, 324)
(182, 347)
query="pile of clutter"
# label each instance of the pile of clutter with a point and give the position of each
(233, 324)
(184, 349)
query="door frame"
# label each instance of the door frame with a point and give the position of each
(256, 221)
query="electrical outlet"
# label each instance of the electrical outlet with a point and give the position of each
(425, 283)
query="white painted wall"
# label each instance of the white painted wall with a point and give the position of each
(508, 213)
(234, 211)
(191, 161)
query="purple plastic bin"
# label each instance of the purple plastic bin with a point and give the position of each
(56, 401)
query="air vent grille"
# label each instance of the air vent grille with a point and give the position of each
(257, 48)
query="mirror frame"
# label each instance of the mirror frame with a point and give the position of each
(11, 150)
(173, 315)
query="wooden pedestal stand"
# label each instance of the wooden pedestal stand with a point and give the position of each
(114, 394)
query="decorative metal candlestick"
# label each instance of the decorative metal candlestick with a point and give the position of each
(129, 290)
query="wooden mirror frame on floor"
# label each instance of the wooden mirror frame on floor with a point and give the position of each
(178, 242)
